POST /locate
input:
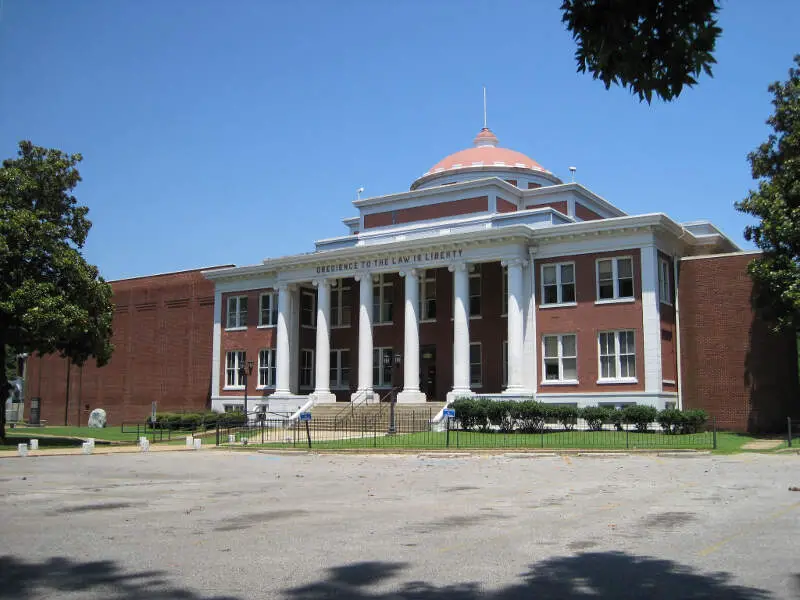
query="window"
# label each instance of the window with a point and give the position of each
(268, 310)
(560, 354)
(475, 366)
(617, 356)
(614, 278)
(340, 368)
(237, 312)
(504, 313)
(382, 374)
(664, 289)
(558, 283)
(381, 299)
(475, 291)
(427, 295)
(505, 363)
(233, 362)
(229, 408)
(266, 368)
(306, 368)
(340, 306)
(308, 308)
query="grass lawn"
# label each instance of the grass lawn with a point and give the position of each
(609, 440)
(50, 437)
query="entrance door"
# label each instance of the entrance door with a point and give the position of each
(427, 372)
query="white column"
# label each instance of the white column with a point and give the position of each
(216, 345)
(460, 331)
(411, 391)
(530, 352)
(651, 320)
(515, 327)
(322, 390)
(365, 392)
(282, 351)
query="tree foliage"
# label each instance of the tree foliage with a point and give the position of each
(51, 299)
(650, 46)
(776, 203)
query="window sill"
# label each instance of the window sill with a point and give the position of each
(383, 324)
(560, 382)
(559, 305)
(236, 328)
(265, 387)
(340, 326)
(265, 326)
(618, 380)
(421, 321)
(616, 301)
(308, 326)
(669, 382)
(230, 388)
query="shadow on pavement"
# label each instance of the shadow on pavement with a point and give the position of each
(596, 575)
(53, 577)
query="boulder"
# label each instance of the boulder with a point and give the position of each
(97, 418)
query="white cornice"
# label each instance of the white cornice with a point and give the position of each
(440, 190)
(579, 189)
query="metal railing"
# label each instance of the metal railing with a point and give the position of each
(792, 430)
(412, 431)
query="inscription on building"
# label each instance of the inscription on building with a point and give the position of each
(391, 260)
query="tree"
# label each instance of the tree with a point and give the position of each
(650, 46)
(776, 202)
(51, 299)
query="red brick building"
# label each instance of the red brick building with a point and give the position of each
(489, 277)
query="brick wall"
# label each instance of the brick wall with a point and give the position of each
(732, 364)
(587, 319)
(163, 328)
(438, 210)
(560, 205)
(585, 214)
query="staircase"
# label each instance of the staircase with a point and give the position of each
(345, 416)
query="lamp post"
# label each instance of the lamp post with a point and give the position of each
(387, 361)
(245, 370)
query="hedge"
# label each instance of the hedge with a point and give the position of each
(200, 420)
(530, 416)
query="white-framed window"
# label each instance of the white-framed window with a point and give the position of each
(306, 368)
(382, 373)
(614, 278)
(664, 289)
(340, 368)
(504, 312)
(229, 408)
(268, 310)
(558, 283)
(266, 367)
(505, 363)
(234, 360)
(237, 312)
(560, 358)
(475, 365)
(308, 308)
(475, 291)
(617, 351)
(340, 306)
(382, 290)
(427, 295)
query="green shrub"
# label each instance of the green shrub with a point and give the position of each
(471, 413)
(530, 415)
(640, 416)
(499, 415)
(595, 416)
(694, 421)
(565, 414)
(671, 420)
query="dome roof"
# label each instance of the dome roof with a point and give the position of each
(485, 153)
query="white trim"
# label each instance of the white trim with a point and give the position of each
(237, 300)
(678, 359)
(558, 357)
(564, 305)
(265, 326)
(559, 382)
(617, 355)
(617, 380)
(273, 309)
(236, 329)
(669, 381)
(233, 387)
(651, 319)
(270, 367)
(616, 301)
(722, 255)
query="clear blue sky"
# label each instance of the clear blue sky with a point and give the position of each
(226, 132)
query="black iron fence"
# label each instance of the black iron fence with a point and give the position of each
(407, 432)
(792, 431)
(156, 433)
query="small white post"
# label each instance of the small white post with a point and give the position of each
(22, 449)
(198, 443)
(190, 441)
(34, 444)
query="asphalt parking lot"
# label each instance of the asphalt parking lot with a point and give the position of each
(235, 525)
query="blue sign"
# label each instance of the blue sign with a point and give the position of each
(449, 412)
(305, 416)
